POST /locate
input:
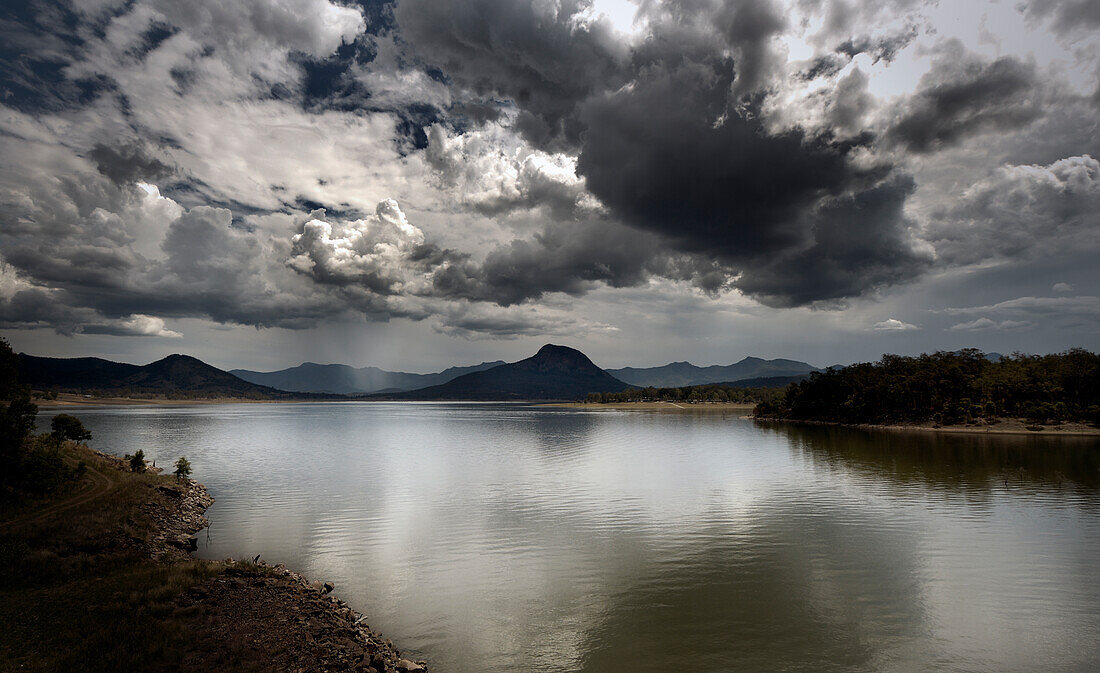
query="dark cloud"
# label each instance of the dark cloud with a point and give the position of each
(881, 48)
(962, 96)
(569, 258)
(1066, 16)
(860, 242)
(536, 54)
(666, 156)
(128, 163)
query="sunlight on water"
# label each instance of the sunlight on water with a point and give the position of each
(501, 538)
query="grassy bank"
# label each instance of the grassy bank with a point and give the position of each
(97, 576)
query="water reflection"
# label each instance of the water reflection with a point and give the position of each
(951, 461)
(499, 538)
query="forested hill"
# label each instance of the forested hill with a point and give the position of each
(681, 374)
(948, 388)
(176, 376)
(309, 377)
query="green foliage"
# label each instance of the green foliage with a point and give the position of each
(69, 427)
(137, 461)
(691, 394)
(948, 388)
(183, 468)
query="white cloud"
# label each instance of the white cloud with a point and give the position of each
(135, 325)
(987, 324)
(375, 251)
(1062, 288)
(893, 325)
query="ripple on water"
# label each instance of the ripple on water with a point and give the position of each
(499, 537)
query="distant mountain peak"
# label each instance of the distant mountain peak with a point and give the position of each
(561, 358)
(554, 349)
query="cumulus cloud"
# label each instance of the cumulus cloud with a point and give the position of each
(243, 161)
(375, 252)
(1062, 288)
(893, 325)
(1022, 212)
(494, 171)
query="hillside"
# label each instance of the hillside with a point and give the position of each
(554, 373)
(679, 374)
(173, 376)
(310, 377)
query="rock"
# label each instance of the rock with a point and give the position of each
(408, 666)
(184, 542)
(328, 587)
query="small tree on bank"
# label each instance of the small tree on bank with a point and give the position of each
(137, 461)
(69, 427)
(183, 468)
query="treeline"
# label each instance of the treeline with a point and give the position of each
(948, 388)
(30, 464)
(710, 392)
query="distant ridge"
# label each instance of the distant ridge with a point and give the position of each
(176, 375)
(310, 377)
(680, 374)
(767, 381)
(554, 373)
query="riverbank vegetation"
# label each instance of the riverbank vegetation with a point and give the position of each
(711, 392)
(947, 388)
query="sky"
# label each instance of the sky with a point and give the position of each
(423, 183)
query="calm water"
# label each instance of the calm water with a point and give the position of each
(490, 538)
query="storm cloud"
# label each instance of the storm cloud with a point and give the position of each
(482, 166)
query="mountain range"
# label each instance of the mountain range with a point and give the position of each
(553, 373)
(678, 374)
(310, 377)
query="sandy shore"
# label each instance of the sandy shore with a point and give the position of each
(656, 406)
(73, 400)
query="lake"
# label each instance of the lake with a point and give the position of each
(490, 538)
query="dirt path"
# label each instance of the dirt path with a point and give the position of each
(100, 486)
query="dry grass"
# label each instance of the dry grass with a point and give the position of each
(78, 591)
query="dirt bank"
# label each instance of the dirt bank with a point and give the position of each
(101, 577)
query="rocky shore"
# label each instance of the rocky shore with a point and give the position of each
(265, 613)
(104, 572)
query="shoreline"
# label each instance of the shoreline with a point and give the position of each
(1004, 427)
(137, 538)
(359, 649)
(653, 406)
(75, 400)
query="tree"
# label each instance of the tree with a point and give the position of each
(137, 461)
(183, 468)
(69, 427)
(17, 413)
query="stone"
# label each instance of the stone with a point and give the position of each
(408, 666)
